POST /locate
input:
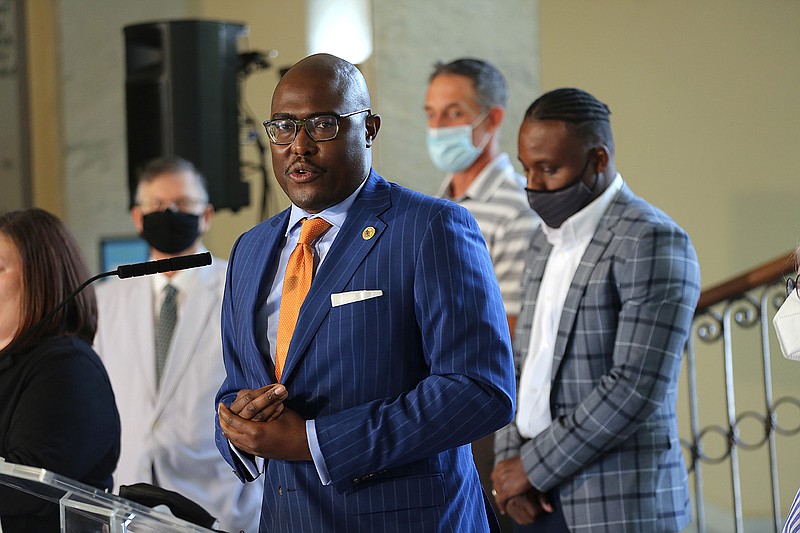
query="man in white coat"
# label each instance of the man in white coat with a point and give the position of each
(159, 337)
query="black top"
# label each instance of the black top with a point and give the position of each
(57, 412)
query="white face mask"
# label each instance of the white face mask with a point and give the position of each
(787, 326)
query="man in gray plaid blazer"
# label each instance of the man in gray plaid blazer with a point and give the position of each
(610, 288)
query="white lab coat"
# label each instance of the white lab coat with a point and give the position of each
(171, 429)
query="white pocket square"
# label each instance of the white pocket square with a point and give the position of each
(344, 298)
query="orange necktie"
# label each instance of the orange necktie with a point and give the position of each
(296, 282)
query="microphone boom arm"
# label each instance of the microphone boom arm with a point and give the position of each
(123, 271)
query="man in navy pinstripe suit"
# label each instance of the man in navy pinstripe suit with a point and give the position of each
(401, 354)
(610, 290)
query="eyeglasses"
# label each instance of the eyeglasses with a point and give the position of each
(183, 205)
(319, 128)
(792, 285)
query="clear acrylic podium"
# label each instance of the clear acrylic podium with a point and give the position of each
(85, 509)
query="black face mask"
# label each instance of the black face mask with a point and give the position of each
(554, 207)
(170, 232)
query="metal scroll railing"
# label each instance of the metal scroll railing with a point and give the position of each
(730, 437)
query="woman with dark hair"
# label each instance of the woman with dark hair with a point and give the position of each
(57, 409)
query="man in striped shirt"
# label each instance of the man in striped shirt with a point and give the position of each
(465, 105)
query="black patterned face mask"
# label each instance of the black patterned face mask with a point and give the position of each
(169, 231)
(554, 207)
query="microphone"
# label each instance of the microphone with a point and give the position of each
(163, 265)
(180, 262)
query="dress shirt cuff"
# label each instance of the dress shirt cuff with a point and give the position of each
(316, 453)
(252, 464)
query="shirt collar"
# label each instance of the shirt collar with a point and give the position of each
(181, 280)
(581, 226)
(483, 185)
(335, 215)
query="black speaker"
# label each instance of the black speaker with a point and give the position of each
(181, 99)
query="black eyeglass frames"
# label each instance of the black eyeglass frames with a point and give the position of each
(319, 127)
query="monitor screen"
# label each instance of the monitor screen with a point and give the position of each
(116, 251)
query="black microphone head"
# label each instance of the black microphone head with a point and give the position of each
(181, 262)
(186, 261)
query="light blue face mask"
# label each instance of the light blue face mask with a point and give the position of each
(451, 148)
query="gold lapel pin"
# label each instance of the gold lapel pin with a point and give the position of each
(368, 233)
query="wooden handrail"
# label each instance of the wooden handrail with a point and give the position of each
(765, 273)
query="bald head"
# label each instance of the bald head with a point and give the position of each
(337, 74)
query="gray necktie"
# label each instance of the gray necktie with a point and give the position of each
(166, 325)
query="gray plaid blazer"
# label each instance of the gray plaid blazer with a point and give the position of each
(612, 451)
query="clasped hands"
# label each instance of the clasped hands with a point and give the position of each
(515, 495)
(258, 423)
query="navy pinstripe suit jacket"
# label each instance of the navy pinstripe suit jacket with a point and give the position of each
(398, 385)
(612, 450)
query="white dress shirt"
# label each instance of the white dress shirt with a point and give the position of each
(569, 244)
(182, 280)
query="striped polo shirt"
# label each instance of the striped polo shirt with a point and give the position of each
(498, 202)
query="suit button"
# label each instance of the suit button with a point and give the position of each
(280, 490)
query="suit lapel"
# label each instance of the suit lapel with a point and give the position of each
(195, 318)
(539, 254)
(258, 285)
(591, 257)
(346, 254)
(139, 295)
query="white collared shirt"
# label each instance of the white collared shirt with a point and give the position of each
(569, 244)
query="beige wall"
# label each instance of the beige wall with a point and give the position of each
(45, 117)
(706, 114)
